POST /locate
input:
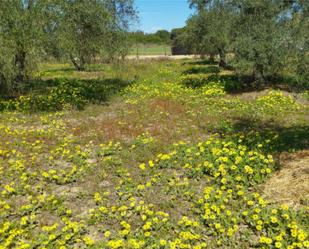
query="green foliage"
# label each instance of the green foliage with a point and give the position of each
(89, 28)
(7, 72)
(209, 30)
(80, 30)
(57, 98)
(266, 39)
(261, 41)
(194, 80)
(117, 45)
(203, 69)
(179, 45)
(22, 35)
(301, 72)
(64, 94)
(164, 36)
(299, 32)
(229, 83)
(160, 37)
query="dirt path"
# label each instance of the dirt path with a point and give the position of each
(172, 57)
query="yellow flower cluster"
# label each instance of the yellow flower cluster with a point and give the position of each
(277, 101)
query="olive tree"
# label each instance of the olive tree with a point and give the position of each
(89, 27)
(271, 38)
(22, 36)
(193, 36)
(261, 40)
(299, 31)
(211, 27)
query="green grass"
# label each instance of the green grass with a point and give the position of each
(157, 165)
(151, 50)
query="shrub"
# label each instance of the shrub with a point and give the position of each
(194, 80)
(201, 70)
(230, 82)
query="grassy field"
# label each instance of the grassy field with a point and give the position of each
(151, 50)
(161, 154)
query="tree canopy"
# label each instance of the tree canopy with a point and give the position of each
(77, 29)
(23, 30)
(264, 37)
(261, 39)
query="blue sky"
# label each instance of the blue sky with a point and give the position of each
(161, 14)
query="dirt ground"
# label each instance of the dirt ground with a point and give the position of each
(172, 57)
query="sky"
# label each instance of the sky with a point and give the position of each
(161, 14)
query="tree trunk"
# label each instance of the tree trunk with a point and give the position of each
(80, 66)
(202, 55)
(20, 63)
(222, 62)
(259, 77)
(211, 58)
(3, 85)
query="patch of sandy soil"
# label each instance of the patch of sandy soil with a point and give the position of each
(290, 184)
(168, 57)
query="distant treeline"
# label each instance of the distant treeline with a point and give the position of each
(163, 37)
(160, 37)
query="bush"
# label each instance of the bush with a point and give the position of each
(195, 80)
(230, 82)
(201, 70)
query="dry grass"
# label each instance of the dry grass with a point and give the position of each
(290, 184)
